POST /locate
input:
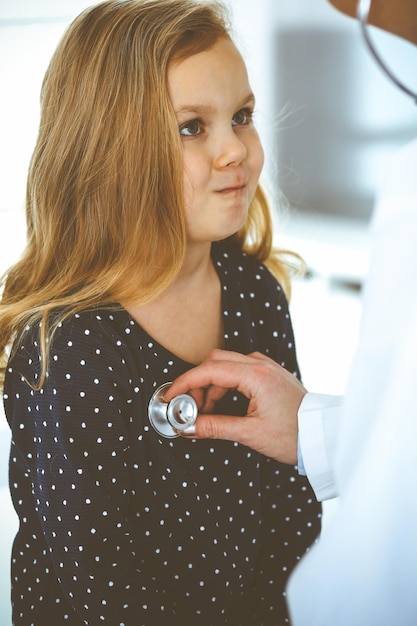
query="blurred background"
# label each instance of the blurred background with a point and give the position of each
(328, 120)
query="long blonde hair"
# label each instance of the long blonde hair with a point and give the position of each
(104, 195)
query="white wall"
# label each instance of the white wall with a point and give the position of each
(30, 9)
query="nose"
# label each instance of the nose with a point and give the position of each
(230, 149)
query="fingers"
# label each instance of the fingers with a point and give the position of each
(212, 372)
(242, 363)
(222, 370)
(205, 398)
(212, 395)
(237, 357)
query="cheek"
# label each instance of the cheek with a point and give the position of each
(187, 187)
(188, 184)
(195, 173)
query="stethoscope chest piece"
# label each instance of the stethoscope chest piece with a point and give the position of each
(168, 417)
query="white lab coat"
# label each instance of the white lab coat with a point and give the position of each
(363, 571)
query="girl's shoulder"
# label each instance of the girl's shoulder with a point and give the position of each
(90, 326)
(92, 337)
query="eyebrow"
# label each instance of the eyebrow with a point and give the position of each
(204, 109)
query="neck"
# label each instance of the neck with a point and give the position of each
(197, 262)
(186, 318)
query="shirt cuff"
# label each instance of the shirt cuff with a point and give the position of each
(318, 426)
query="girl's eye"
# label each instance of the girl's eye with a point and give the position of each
(242, 117)
(191, 129)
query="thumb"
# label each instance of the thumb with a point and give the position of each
(210, 426)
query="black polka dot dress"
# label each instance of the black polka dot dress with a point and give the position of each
(121, 526)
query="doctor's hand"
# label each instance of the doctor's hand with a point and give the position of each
(271, 423)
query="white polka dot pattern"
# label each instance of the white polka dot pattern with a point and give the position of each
(122, 527)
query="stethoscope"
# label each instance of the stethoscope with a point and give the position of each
(364, 6)
(167, 418)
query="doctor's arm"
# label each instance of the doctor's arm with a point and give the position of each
(283, 420)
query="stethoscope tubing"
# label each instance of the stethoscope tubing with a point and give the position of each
(364, 7)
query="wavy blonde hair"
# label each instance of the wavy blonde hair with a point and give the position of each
(104, 210)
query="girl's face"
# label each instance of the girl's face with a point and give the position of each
(222, 153)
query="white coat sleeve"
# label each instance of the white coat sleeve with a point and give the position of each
(319, 419)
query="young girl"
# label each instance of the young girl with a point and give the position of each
(148, 241)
